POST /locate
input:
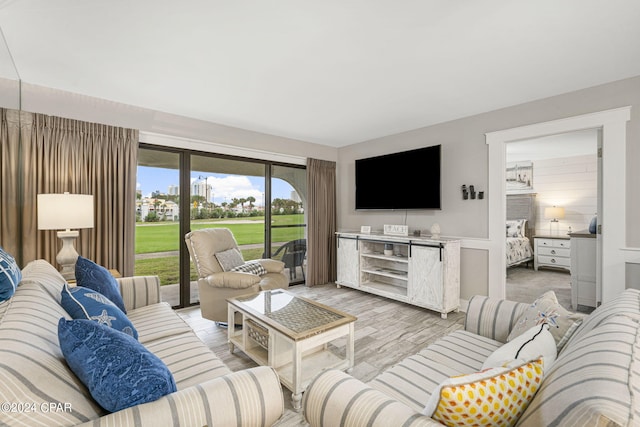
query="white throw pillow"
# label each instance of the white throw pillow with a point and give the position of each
(535, 342)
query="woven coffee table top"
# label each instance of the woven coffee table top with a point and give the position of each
(295, 316)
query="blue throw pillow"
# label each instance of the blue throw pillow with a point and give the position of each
(93, 276)
(84, 303)
(10, 275)
(118, 371)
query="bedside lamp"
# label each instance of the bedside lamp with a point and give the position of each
(64, 212)
(553, 214)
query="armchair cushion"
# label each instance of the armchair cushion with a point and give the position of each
(232, 279)
(272, 265)
(229, 259)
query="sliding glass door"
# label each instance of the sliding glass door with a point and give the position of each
(261, 202)
(158, 237)
(229, 193)
(287, 228)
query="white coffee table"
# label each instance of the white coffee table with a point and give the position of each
(292, 335)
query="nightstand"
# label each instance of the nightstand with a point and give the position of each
(552, 251)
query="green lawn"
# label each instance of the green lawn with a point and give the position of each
(164, 237)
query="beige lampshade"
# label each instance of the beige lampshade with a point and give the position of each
(553, 212)
(65, 211)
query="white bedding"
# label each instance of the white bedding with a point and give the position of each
(518, 250)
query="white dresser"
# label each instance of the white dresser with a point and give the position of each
(552, 251)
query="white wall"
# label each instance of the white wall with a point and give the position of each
(568, 182)
(50, 101)
(465, 161)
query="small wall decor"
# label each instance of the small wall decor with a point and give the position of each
(470, 193)
(519, 176)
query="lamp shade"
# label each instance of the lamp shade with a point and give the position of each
(553, 212)
(65, 211)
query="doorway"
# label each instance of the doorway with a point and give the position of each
(613, 195)
(552, 187)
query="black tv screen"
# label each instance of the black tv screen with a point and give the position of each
(404, 180)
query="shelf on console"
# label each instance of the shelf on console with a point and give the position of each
(395, 258)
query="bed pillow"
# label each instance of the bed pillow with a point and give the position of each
(516, 227)
(547, 309)
(93, 276)
(84, 303)
(10, 275)
(229, 259)
(118, 371)
(496, 396)
(530, 345)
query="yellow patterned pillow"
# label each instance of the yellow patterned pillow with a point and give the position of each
(493, 397)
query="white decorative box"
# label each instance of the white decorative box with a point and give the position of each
(396, 230)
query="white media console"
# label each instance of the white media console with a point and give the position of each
(420, 271)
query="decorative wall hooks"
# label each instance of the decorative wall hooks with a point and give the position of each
(470, 193)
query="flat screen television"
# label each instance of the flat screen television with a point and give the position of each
(404, 180)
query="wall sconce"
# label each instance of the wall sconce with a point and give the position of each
(64, 212)
(554, 214)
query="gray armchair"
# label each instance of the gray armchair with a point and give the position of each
(223, 274)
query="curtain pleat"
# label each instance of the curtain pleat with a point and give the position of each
(321, 196)
(57, 155)
(10, 196)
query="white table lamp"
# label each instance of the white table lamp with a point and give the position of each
(553, 214)
(64, 212)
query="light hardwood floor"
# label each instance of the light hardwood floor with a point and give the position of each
(386, 332)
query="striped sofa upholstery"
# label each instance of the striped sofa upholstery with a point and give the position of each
(37, 387)
(595, 380)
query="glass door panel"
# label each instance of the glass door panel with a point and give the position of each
(288, 223)
(229, 193)
(157, 220)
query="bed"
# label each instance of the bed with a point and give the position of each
(519, 228)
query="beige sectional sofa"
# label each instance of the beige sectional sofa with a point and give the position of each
(38, 388)
(595, 380)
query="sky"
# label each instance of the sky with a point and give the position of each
(225, 187)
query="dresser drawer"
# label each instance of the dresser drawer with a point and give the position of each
(556, 261)
(554, 252)
(556, 243)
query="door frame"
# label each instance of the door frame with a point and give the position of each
(613, 216)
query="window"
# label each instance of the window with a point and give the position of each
(262, 202)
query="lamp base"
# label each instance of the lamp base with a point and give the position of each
(68, 255)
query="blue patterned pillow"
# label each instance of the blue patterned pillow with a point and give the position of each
(10, 275)
(118, 371)
(93, 276)
(84, 303)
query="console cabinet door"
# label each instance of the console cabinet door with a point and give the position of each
(425, 276)
(348, 262)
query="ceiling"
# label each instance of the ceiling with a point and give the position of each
(332, 72)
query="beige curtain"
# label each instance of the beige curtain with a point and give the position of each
(10, 189)
(54, 155)
(321, 247)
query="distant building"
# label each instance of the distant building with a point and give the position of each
(200, 187)
(174, 190)
(295, 197)
(166, 210)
